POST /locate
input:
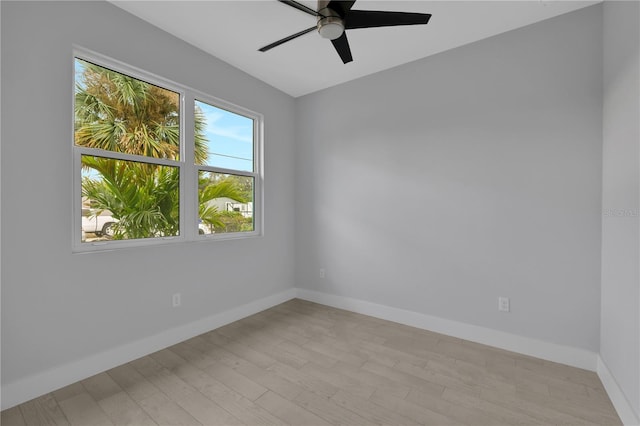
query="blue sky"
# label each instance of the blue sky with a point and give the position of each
(230, 138)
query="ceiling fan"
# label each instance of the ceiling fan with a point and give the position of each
(334, 17)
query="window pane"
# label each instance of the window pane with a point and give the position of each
(128, 200)
(119, 113)
(223, 139)
(225, 202)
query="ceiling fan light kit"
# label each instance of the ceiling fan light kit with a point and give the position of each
(334, 17)
(330, 24)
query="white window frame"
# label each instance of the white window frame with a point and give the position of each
(188, 169)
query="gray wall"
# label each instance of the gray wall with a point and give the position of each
(58, 307)
(620, 323)
(442, 184)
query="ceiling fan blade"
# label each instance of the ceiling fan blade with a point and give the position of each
(299, 6)
(286, 39)
(342, 7)
(371, 18)
(342, 47)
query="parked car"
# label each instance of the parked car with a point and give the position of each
(98, 222)
(205, 228)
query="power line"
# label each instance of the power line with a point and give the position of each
(231, 156)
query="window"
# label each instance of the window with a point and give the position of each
(156, 162)
(226, 172)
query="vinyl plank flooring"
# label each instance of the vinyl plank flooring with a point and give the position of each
(122, 410)
(68, 391)
(170, 360)
(306, 354)
(281, 352)
(328, 410)
(461, 351)
(415, 412)
(437, 376)
(257, 358)
(469, 375)
(337, 351)
(101, 386)
(240, 407)
(303, 379)
(305, 332)
(250, 336)
(390, 386)
(268, 379)
(289, 412)
(402, 377)
(340, 381)
(523, 403)
(504, 415)
(588, 413)
(211, 350)
(370, 411)
(191, 400)
(43, 411)
(244, 366)
(301, 363)
(12, 417)
(83, 410)
(164, 411)
(279, 330)
(193, 355)
(132, 382)
(459, 413)
(389, 356)
(236, 381)
(305, 314)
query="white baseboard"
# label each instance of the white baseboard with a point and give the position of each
(567, 355)
(41, 383)
(625, 411)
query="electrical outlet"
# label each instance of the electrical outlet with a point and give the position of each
(175, 300)
(321, 272)
(503, 304)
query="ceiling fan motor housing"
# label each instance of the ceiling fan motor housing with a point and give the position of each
(330, 24)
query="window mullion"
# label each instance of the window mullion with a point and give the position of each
(189, 175)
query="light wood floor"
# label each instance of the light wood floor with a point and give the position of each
(301, 363)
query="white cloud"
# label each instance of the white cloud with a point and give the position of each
(239, 133)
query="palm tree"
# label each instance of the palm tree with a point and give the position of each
(144, 198)
(117, 113)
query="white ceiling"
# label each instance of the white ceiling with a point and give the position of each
(234, 31)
